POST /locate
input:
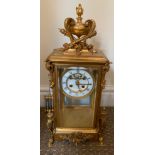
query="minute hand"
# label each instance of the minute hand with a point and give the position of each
(84, 84)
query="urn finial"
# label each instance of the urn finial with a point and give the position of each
(78, 32)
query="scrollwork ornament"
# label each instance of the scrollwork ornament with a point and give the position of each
(105, 68)
(49, 66)
(78, 32)
(76, 137)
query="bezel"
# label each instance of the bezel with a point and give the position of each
(77, 97)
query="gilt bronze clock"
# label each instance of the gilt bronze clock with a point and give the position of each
(77, 74)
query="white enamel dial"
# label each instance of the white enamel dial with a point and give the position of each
(77, 83)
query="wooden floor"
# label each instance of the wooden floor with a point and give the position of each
(90, 148)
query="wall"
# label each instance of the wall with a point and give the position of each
(53, 13)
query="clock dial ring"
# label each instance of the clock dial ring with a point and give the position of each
(77, 83)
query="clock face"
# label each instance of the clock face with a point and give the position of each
(77, 83)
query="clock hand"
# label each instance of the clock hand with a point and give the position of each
(77, 83)
(84, 84)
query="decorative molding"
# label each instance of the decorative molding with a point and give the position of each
(107, 95)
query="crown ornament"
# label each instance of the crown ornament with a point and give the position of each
(78, 32)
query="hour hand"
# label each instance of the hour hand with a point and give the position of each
(77, 83)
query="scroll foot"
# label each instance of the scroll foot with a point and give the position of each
(50, 142)
(101, 140)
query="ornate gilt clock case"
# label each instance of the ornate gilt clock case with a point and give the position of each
(77, 74)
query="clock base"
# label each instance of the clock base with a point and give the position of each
(76, 135)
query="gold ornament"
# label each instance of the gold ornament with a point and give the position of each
(78, 32)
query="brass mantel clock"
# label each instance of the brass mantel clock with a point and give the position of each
(77, 74)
